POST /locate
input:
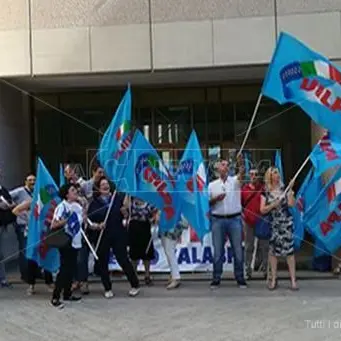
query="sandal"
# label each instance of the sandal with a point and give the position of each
(294, 287)
(272, 288)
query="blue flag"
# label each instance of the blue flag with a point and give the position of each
(191, 186)
(326, 153)
(61, 175)
(323, 218)
(319, 249)
(278, 164)
(301, 76)
(45, 200)
(117, 140)
(247, 164)
(306, 195)
(146, 177)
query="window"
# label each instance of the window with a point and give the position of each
(144, 122)
(200, 122)
(214, 122)
(173, 124)
(227, 116)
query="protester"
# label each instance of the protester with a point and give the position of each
(114, 236)
(226, 209)
(82, 273)
(169, 240)
(141, 215)
(87, 186)
(6, 218)
(251, 197)
(68, 216)
(281, 244)
(32, 269)
(20, 195)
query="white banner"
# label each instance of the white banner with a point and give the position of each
(192, 255)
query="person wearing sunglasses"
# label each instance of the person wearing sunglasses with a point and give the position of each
(251, 198)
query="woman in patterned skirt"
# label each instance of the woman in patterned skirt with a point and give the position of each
(281, 243)
(141, 215)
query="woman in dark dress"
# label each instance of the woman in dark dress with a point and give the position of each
(140, 215)
(114, 236)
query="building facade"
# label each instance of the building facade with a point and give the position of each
(191, 63)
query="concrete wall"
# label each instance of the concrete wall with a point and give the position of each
(14, 148)
(43, 37)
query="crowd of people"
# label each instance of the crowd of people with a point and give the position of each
(115, 221)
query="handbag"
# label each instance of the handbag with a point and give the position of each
(57, 238)
(263, 227)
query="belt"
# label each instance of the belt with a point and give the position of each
(226, 216)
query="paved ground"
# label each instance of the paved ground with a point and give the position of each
(191, 313)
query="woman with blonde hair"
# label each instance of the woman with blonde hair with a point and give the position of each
(275, 203)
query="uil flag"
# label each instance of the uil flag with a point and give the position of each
(306, 195)
(45, 200)
(326, 153)
(146, 177)
(301, 76)
(191, 186)
(61, 175)
(117, 140)
(247, 165)
(324, 216)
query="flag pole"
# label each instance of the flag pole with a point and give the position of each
(250, 124)
(292, 181)
(300, 170)
(89, 244)
(105, 221)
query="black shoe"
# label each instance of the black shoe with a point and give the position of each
(215, 284)
(242, 284)
(73, 299)
(57, 304)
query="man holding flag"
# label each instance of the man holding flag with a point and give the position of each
(226, 209)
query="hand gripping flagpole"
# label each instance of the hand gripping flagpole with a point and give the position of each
(250, 124)
(292, 181)
(105, 221)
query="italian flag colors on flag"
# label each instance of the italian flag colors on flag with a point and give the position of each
(322, 69)
(334, 190)
(44, 198)
(123, 129)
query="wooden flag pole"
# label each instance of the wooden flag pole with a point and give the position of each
(105, 221)
(250, 124)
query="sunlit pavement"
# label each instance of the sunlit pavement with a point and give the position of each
(193, 312)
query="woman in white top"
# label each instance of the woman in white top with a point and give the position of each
(68, 215)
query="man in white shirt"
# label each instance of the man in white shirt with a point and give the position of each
(226, 208)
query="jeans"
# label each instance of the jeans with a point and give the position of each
(20, 232)
(83, 263)
(233, 228)
(2, 262)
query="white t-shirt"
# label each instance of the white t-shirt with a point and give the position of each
(232, 201)
(65, 209)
